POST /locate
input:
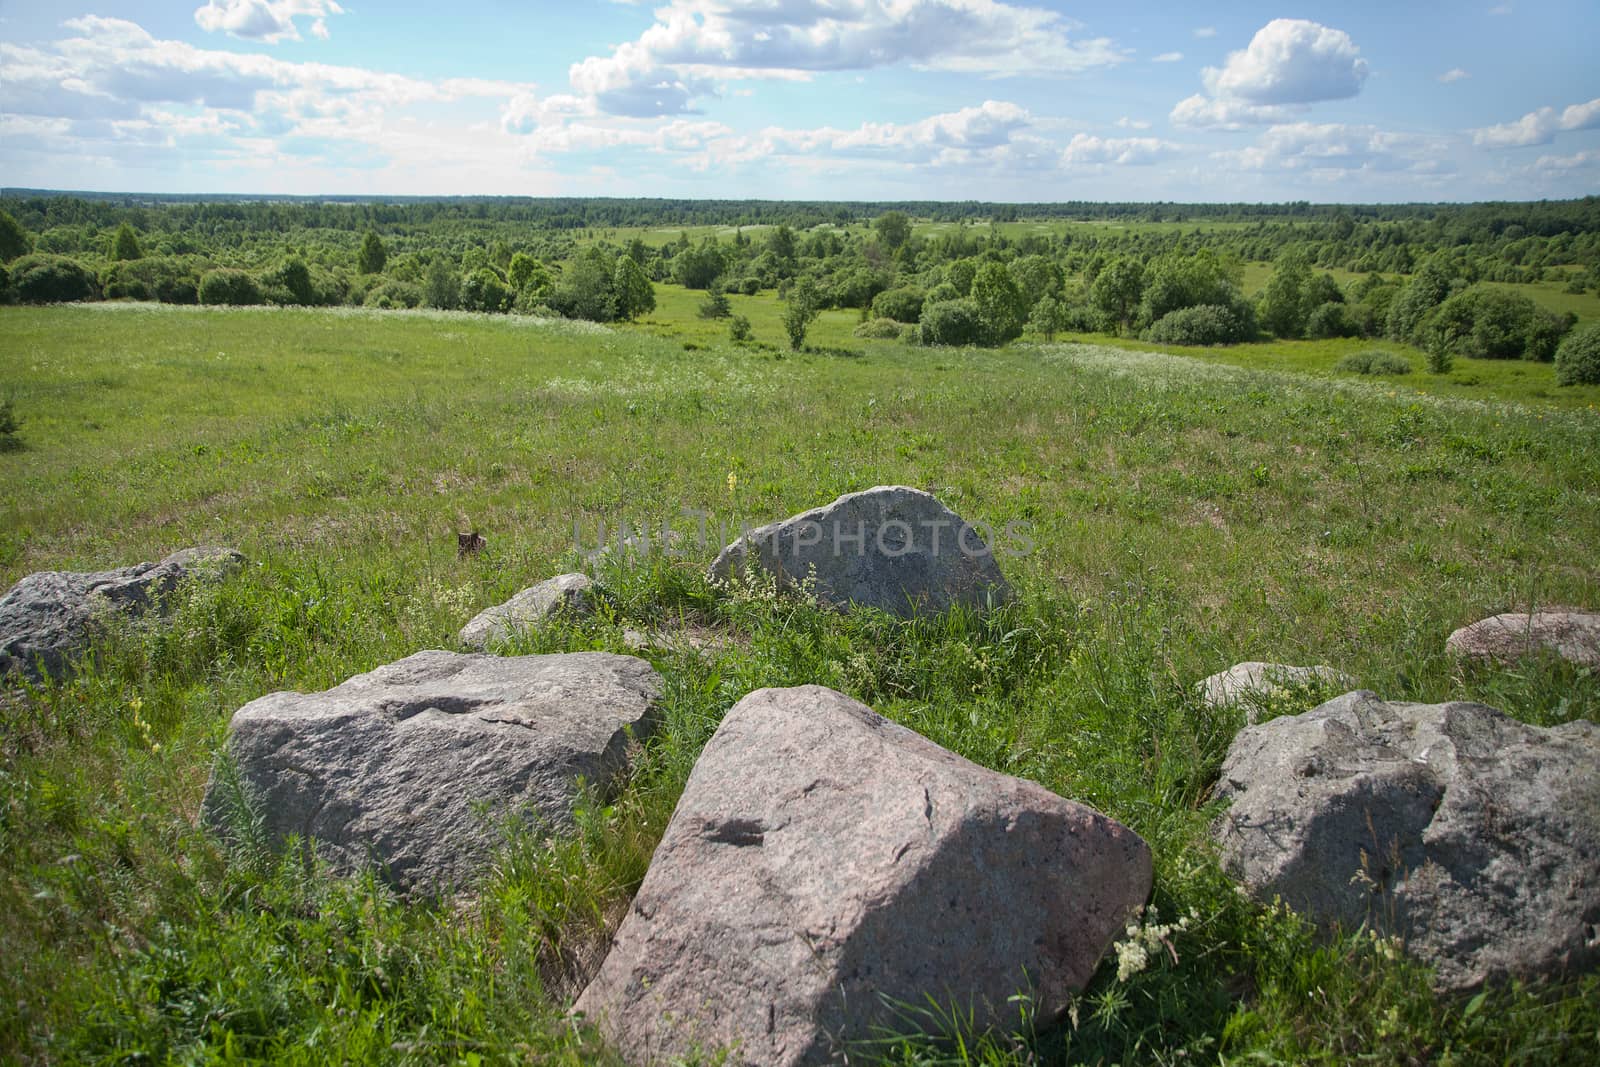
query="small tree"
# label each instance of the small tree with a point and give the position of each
(1117, 289)
(14, 240)
(894, 229)
(373, 255)
(1283, 305)
(482, 290)
(9, 425)
(999, 303)
(804, 305)
(715, 305)
(1048, 318)
(442, 285)
(528, 275)
(635, 295)
(126, 244)
(739, 329)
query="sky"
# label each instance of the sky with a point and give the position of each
(1350, 102)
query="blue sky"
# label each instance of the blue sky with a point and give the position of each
(818, 99)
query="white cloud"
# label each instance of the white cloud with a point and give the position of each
(265, 20)
(1127, 151)
(1500, 9)
(1586, 160)
(1168, 57)
(1132, 124)
(1289, 63)
(1200, 111)
(1454, 74)
(1337, 147)
(695, 43)
(1205, 32)
(1539, 127)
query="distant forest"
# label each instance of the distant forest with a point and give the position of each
(964, 272)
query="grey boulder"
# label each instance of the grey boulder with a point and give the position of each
(892, 547)
(49, 618)
(413, 767)
(565, 593)
(1472, 836)
(1572, 635)
(1254, 683)
(825, 869)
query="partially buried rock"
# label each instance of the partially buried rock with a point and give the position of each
(565, 593)
(1252, 684)
(826, 871)
(893, 548)
(414, 766)
(1572, 635)
(49, 618)
(1474, 837)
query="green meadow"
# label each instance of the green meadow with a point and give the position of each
(1184, 512)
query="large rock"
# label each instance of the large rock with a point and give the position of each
(1572, 635)
(1253, 684)
(567, 593)
(825, 863)
(892, 547)
(50, 617)
(1474, 837)
(413, 766)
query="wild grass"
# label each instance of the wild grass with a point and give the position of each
(1185, 514)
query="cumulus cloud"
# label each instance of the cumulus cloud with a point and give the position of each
(1337, 147)
(1124, 151)
(1566, 164)
(1454, 74)
(1539, 127)
(1168, 57)
(695, 43)
(1289, 63)
(265, 20)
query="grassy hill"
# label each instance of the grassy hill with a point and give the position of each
(1181, 514)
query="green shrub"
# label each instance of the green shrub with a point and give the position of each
(1578, 358)
(482, 290)
(715, 305)
(940, 294)
(1374, 361)
(1545, 333)
(739, 329)
(228, 286)
(879, 330)
(9, 425)
(393, 294)
(1203, 324)
(46, 279)
(169, 279)
(1330, 320)
(950, 322)
(902, 305)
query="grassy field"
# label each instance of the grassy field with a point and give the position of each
(1185, 513)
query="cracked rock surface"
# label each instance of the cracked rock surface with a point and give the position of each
(825, 868)
(414, 766)
(1472, 836)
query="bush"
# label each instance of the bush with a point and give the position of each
(940, 294)
(715, 305)
(901, 305)
(1330, 320)
(1374, 361)
(47, 279)
(1203, 324)
(879, 330)
(739, 329)
(1578, 358)
(393, 294)
(9, 425)
(482, 290)
(169, 279)
(950, 322)
(228, 286)
(294, 282)
(1545, 333)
